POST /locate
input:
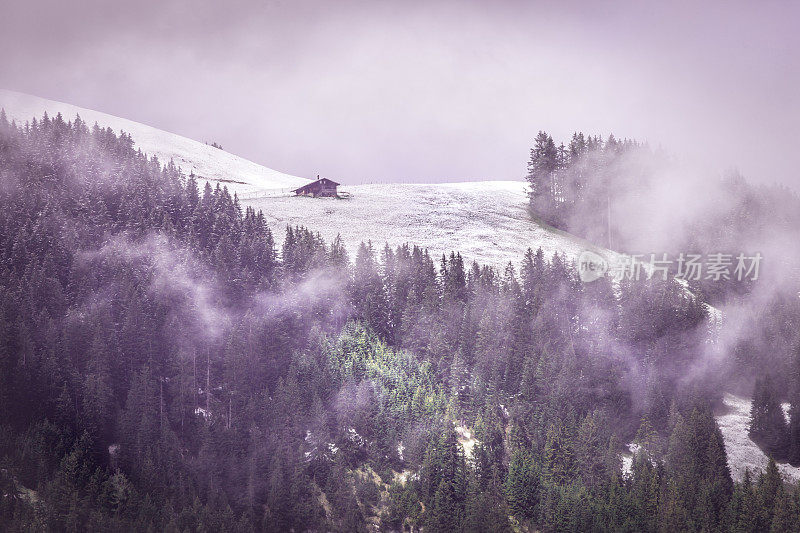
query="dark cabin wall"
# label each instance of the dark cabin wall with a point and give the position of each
(320, 190)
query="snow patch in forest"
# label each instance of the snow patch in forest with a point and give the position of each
(627, 464)
(627, 459)
(404, 476)
(466, 439)
(742, 452)
(318, 449)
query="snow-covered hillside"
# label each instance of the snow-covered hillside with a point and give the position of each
(192, 156)
(486, 221)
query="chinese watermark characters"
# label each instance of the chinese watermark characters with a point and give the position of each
(689, 267)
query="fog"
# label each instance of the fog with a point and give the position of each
(197, 306)
(442, 91)
(665, 205)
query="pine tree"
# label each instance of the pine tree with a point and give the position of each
(559, 455)
(522, 485)
(541, 176)
(787, 512)
(767, 421)
(770, 490)
(444, 483)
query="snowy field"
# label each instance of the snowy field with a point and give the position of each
(743, 452)
(485, 221)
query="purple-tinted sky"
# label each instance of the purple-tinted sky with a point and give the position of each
(424, 91)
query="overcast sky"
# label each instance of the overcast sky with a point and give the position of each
(424, 91)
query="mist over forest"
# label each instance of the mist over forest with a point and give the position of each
(638, 200)
(164, 365)
(413, 267)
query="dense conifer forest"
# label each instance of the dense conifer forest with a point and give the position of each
(165, 366)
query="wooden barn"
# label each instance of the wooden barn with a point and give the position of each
(319, 187)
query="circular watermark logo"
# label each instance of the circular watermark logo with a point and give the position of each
(591, 266)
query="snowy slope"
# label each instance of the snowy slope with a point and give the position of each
(486, 221)
(742, 452)
(192, 156)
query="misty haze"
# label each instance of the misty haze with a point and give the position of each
(404, 267)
